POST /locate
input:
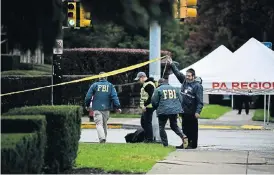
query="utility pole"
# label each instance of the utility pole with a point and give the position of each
(155, 67)
(57, 74)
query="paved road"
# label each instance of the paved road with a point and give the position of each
(261, 140)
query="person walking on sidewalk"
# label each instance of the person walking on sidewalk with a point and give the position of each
(145, 104)
(167, 102)
(192, 104)
(243, 99)
(103, 94)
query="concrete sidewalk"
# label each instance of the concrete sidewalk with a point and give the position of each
(215, 162)
(134, 123)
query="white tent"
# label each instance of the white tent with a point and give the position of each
(206, 67)
(250, 68)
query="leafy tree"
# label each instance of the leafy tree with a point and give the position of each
(231, 23)
(113, 36)
(32, 23)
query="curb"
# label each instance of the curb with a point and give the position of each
(91, 125)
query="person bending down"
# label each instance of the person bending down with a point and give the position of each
(167, 102)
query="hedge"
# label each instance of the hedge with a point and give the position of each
(27, 124)
(23, 123)
(20, 154)
(80, 61)
(72, 94)
(9, 62)
(63, 133)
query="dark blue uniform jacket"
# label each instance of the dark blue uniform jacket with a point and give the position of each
(104, 95)
(167, 100)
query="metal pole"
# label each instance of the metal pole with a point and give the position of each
(57, 68)
(268, 109)
(155, 67)
(52, 72)
(232, 102)
(264, 110)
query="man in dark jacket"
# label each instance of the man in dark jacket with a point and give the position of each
(167, 102)
(243, 99)
(145, 104)
(192, 93)
(103, 94)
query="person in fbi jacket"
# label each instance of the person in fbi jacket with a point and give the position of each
(104, 94)
(145, 104)
(167, 102)
(192, 104)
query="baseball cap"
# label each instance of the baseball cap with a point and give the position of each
(139, 75)
(161, 81)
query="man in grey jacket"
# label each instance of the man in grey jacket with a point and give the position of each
(192, 104)
(167, 101)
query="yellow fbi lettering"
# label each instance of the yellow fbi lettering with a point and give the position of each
(103, 88)
(169, 94)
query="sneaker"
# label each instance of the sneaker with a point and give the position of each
(103, 141)
(180, 147)
(189, 147)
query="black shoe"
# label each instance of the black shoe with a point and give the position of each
(148, 141)
(189, 147)
(180, 147)
(103, 141)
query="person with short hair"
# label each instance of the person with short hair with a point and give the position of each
(192, 104)
(103, 94)
(148, 86)
(167, 102)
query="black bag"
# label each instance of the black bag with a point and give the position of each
(136, 137)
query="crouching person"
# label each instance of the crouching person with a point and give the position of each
(167, 102)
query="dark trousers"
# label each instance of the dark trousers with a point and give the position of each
(146, 123)
(246, 103)
(173, 125)
(190, 129)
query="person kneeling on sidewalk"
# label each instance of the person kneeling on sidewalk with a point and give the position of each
(167, 102)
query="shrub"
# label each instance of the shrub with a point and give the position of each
(20, 154)
(80, 61)
(27, 124)
(9, 62)
(63, 134)
(72, 93)
(23, 123)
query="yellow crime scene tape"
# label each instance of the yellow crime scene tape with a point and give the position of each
(107, 74)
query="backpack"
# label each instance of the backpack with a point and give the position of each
(136, 137)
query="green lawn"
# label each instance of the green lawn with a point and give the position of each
(214, 111)
(209, 112)
(133, 158)
(116, 115)
(24, 72)
(259, 116)
(32, 70)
